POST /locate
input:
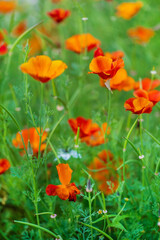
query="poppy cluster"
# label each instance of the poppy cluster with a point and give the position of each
(66, 190)
(89, 132)
(103, 170)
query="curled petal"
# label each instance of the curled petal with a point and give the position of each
(64, 173)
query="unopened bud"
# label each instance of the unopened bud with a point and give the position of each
(29, 149)
(89, 186)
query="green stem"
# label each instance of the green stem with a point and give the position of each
(124, 148)
(35, 196)
(39, 227)
(54, 151)
(155, 139)
(90, 213)
(97, 229)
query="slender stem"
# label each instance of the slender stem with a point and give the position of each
(109, 106)
(39, 227)
(41, 130)
(54, 88)
(35, 196)
(124, 148)
(90, 213)
(54, 151)
(97, 229)
(140, 120)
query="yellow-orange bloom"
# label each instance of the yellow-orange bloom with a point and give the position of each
(7, 6)
(30, 135)
(127, 10)
(78, 43)
(141, 34)
(66, 190)
(105, 67)
(43, 69)
(121, 81)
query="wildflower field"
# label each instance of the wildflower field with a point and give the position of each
(79, 119)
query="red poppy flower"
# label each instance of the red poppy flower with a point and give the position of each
(58, 15)
(106, 174)
(43, 69)
(78, 43)
(127, 10)
(147, 84)
(140, 34)
(19, 29)
(66, 190)
(4, 165)
(3, 45)
(32, 136)
(105, 67)
(90, 132)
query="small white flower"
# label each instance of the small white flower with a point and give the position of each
(104, 211)
(53, 216)
(124, 149)
(85, 57)
(60, 108)
(153, 72)
(141, 157)
(84, 18)
(47, 129)
(17, 109)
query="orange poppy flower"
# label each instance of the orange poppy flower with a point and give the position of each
(121, 81)
(7, 6)
(43, 69)
(90, 132)
(66, 190)
(35, 44)
(143, 101)
(106, 175)
(4, 165)
(78, 43)
(127, 10)
(3, 45)
(32, 136)
(141, 35)
(105, 67)
(147, 84)
(58, 15)
(19, 29)
(56, 1)
(153, 96)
